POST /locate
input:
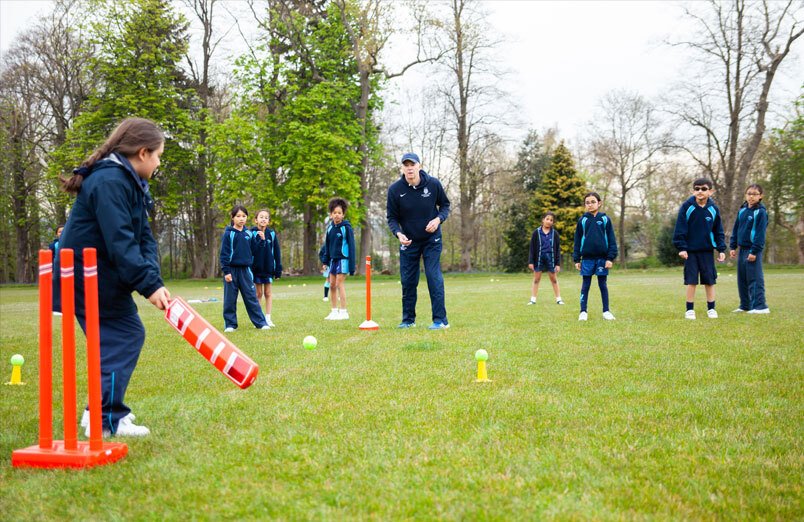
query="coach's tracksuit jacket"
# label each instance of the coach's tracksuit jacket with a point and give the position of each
(699, 229)
(339, 246)
(408, 210)
(749, 234)
(110, 213)
(267, 255)
(594, 238)
(237, 255)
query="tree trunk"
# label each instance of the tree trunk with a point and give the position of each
(310, 253)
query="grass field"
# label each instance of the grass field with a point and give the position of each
(647, 417)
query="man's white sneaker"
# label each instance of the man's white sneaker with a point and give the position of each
(711, 313)
(689, 314)
(583, 316)
(759, 311)
(608, 316)
(738, 310)
(228, 329)
(333, 315)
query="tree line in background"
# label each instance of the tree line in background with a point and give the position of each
(300, 116)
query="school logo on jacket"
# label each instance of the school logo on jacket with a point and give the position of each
(708, 218)
(425, 193)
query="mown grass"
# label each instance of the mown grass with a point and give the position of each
(647, 417)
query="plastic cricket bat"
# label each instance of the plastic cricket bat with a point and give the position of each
(211, 344)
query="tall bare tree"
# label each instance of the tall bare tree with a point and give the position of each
(474, 101)
(626, 142)
(741, 44)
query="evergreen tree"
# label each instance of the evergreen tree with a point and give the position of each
(138, 62)
(533, 158)
(561, 192)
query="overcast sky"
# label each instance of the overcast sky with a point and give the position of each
(562, 56)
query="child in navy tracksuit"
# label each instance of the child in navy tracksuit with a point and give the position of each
(338, 256)
(237, 255)
(594, 252)
(699, 230)
(110, 213)
(53, 246)
(749, 234)
(267, 262)
(545, 254)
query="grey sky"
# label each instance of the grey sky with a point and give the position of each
(563, 56)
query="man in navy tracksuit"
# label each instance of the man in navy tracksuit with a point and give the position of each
(699, 230)
(417, 205)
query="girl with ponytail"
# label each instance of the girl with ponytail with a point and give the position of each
(110, 213)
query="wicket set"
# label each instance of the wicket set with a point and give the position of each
(70, 452)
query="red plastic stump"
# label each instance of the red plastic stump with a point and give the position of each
(59, 457)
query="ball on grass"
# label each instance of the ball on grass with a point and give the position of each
(481, 355)
(310, 342)
(17, 360)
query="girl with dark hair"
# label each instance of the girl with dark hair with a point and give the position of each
(110, 213)
(237, 255)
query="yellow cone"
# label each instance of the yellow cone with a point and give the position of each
(482, 376)
(16, 375)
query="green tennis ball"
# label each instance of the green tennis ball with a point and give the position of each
(481, 355)
(17, 360)
(310, 342)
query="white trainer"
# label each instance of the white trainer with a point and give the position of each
(266, 327)
(559, 301)
(532, 302)
(759, 311)
(325, 299)
(271, 323)
(583, 316)
(342, 315)
(608, 316)
(85, 418)
(711, 313)
(228, 329)
(689, 314)
(127, 428)
(333, 315)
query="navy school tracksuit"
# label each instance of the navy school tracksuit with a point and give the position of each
(408, 210)
(545, 250)
(53, 246)
(236, 259)
(110, 213)
(338, 251)
(594, 245)
(267, 264)
(749, 234)
(698, 231)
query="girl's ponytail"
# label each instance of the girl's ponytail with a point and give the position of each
(131, 135)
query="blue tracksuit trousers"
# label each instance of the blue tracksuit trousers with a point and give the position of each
(750, 281)
(242, 282)
(409, 257)
(121, 341)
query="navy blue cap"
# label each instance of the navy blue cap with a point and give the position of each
(409, 156)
